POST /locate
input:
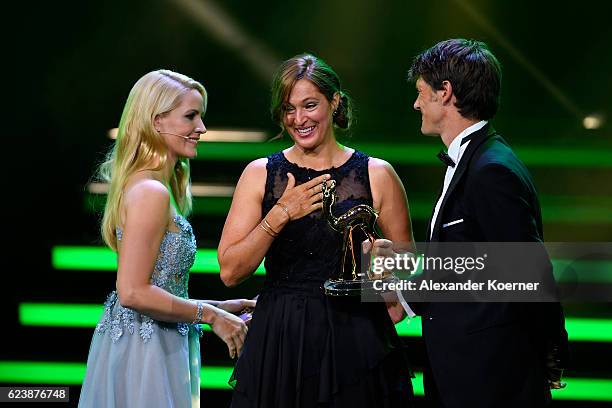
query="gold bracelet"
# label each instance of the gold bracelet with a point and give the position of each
(284, 208)
(268, 231)
(267, 224)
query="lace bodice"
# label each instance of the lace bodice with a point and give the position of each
(176, 256)
(307, 249)
(171, 273)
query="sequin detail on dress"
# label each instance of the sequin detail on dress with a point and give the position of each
(176, 256)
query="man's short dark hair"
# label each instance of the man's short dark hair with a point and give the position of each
(472, 70)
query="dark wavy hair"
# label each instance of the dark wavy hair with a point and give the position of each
(472, 70)
(308, 66)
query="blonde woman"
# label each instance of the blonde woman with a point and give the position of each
(145, 350)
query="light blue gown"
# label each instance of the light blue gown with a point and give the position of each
(135, 361)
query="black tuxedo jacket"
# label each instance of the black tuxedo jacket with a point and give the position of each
(489, 354)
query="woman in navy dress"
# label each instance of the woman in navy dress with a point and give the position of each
(305, 349)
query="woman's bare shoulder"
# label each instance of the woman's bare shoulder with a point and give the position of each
(147, 197)
(257, 165)
(254, 171)
(380, 168)
(145, 187)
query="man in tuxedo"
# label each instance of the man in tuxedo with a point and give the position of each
(481, 354)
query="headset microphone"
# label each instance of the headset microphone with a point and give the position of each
(181, 136)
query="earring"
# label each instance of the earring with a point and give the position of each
(335, 113)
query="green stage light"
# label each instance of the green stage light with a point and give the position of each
(585, 389)
(84, 258)
(216, 377)
(59, 314)
(578, 329)
(420, 208)
(588, 329)
(87, 315)
(63, 315)
(103, 259)
(41, 372)
(414, 154)
(563, 209)
(61, 373)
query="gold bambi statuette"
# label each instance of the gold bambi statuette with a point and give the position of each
(354, 274)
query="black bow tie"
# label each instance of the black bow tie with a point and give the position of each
(446, 159)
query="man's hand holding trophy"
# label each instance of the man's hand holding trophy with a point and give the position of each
(361, 244)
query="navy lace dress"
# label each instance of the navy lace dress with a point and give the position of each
(305, 349)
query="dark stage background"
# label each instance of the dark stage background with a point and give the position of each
(70, 65)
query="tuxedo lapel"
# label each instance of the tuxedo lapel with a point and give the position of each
(476, 140)
(433, 209)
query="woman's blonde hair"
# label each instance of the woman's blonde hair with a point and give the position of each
(140, 147)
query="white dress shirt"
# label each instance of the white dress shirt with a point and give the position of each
(455, 151)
